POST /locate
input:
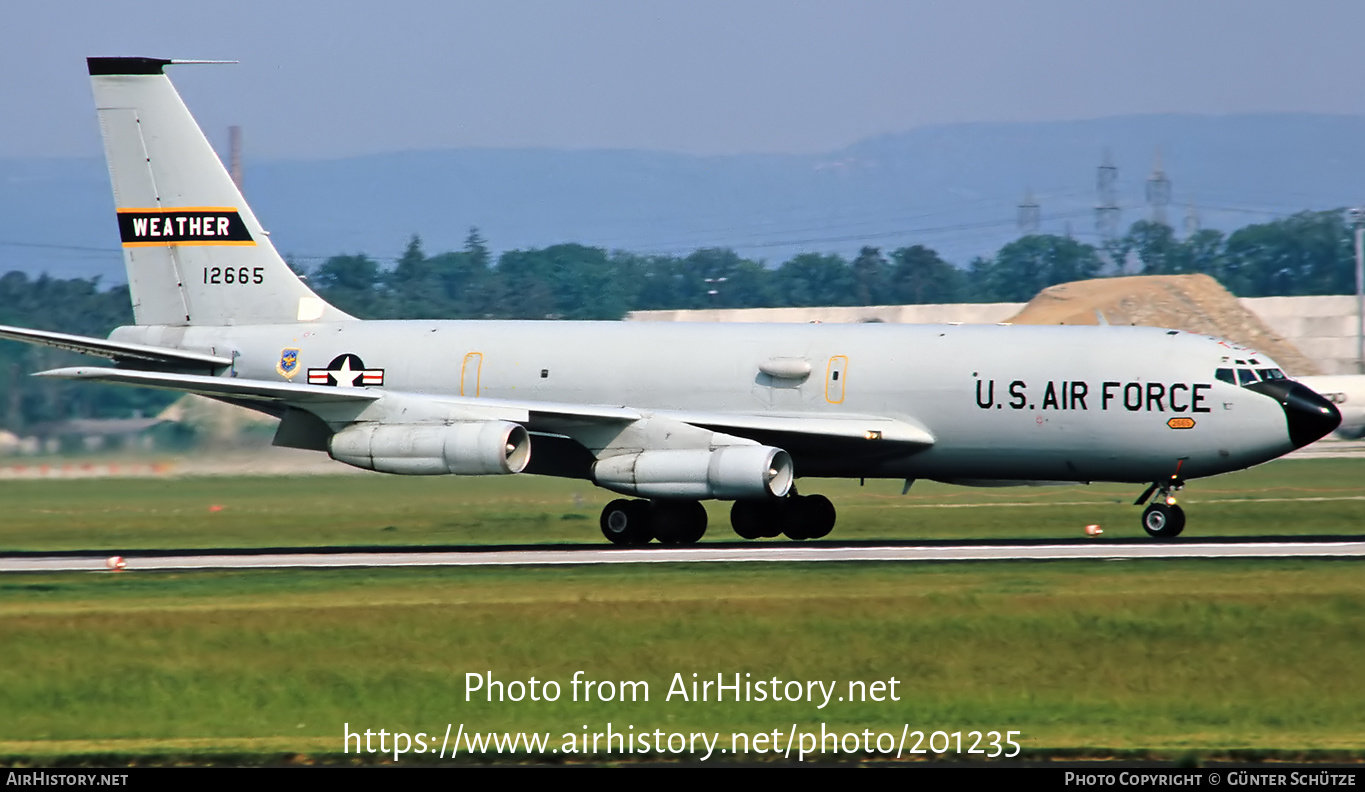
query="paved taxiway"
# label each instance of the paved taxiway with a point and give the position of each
(698, 555)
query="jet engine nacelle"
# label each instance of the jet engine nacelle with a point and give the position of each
(472, 448)
(728, 473)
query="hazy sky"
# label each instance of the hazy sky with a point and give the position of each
(327, 79)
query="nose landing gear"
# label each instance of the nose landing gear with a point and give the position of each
(1163, 519)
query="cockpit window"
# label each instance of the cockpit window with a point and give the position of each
(1244, 376)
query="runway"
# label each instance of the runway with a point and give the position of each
(788, 553)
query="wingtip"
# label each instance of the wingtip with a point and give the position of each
(72, 372)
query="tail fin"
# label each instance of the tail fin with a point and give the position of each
(194, 251)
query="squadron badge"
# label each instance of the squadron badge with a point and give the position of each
(289, 363)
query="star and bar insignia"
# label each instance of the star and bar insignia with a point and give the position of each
(346, 371)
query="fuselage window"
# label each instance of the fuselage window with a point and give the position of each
(1226, 375)
(1246, 377)
(1270, 373)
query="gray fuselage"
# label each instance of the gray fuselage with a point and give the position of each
(1004, 404)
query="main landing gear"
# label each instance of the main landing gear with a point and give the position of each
(683, 522)
(1163, 519)
(637, 522)
(797, 516)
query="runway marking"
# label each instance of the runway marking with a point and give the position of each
(1014, 504)
(693, 555)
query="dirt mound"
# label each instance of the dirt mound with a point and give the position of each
(1194, 303)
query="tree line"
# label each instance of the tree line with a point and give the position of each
(1307, 253)
(77, 306)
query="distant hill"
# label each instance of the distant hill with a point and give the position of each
(954, 188)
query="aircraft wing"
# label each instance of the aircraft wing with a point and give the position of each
(341, 405)
(222, 387)
(846, 427)
(117, 351)
(554, 417)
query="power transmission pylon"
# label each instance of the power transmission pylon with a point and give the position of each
(1030, 215)
(1158, 191)
(1107, 210)
(1191, 220)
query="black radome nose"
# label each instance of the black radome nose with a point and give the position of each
(1310, 416)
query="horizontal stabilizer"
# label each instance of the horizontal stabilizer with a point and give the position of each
(117, 351)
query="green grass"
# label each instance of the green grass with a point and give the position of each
(1155, 655)
(130, 514)
(1099, 658)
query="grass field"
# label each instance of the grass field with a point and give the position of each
(131, 514)
(1094, 657)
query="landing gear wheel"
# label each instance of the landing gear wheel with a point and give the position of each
(808, 517)
(773, 516)
(759, 519)
(817, 515)
(627, 522)
(799, 517)
(678, 522)
(796, 520)
(1161, 521)
(746, 517)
